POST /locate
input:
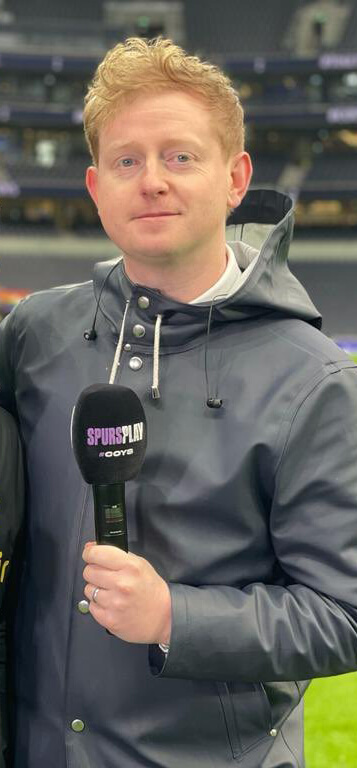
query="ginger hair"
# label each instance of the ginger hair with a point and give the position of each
(140, 67)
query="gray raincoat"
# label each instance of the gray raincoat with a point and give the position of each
(249, 511)
(11, 519)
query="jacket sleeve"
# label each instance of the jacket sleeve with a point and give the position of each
(307, 628)
(8, 344)
(11, 516)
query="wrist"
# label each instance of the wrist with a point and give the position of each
(164, 636)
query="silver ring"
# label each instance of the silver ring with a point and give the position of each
(95, 593)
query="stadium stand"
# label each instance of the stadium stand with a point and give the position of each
(51, 10)
(318, 25)
(331, 175)
(301, 27)
(232, 28)
(267, 170)
(293, 106)
(349, 40)
(300, 105)
(58, 178)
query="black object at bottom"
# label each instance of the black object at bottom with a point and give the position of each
(110, 517)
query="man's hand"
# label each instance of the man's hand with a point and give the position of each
(132, 600)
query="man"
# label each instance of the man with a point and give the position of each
(11, 514)
(240, 581)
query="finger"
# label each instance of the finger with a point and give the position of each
(91, 591)
(100, 577)
(97, 595)
(106, 556)
(99, 614)
(101, 608)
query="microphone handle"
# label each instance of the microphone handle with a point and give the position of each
(109, 515)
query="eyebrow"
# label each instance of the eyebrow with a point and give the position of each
(135, 145)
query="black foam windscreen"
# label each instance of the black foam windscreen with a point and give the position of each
(108, 434)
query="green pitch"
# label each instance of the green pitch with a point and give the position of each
(331, 722)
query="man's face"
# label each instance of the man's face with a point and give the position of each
(162, 184)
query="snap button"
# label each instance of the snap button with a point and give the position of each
(139, 331)
(143, 302)
(135, 363)
(77, 725)
(127, 347)
(83, 606)
(273, 732)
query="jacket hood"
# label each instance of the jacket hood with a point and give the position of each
(265, 221)
(262, 224)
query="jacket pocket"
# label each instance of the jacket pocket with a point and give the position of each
(283, 698)
(247, 715)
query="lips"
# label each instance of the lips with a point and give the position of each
(155, 215)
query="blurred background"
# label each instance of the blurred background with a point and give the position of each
(295, 65)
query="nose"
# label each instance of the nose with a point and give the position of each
(153, 180)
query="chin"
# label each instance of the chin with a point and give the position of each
(152, 249)
(150, 256)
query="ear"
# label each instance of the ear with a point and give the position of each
(240, 174)
(92, 183)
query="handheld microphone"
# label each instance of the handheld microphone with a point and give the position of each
(108, 433)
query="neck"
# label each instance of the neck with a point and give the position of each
(182, 282)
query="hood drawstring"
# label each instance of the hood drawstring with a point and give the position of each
(213, 401)
(155, 392)
(116, 361)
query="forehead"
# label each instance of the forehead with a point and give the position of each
(166, 114)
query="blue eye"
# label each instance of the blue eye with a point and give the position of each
(179, 158)
(126, 162)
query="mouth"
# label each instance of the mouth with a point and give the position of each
(161, 215)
